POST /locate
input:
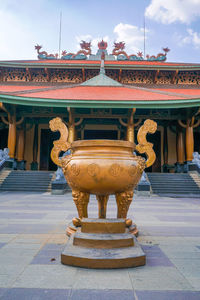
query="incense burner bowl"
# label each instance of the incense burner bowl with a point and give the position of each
(102, 168)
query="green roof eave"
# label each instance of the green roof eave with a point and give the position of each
(31, 101)
(96, 64)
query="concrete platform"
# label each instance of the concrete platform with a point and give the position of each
(98, 258)
(32, 236)
(116, 240)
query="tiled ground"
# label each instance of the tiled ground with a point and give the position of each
(32, 237)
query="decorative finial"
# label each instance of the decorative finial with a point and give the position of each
(102, 45)
(102, 70)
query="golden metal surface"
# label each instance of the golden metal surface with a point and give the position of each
(76, 222)
(144, 146)
(103, 226)
(102, 167)
(128, 222)
(57, 124)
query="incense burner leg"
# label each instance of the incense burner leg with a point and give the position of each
(81, 200)
(123, 200)
(102, 204)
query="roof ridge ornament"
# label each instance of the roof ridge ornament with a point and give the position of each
(44, 54)
(102, 45)
(81, 54)
(102, 70)
(119, 52)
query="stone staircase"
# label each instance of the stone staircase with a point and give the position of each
(174, 184)
(196, 177)
(29, 181)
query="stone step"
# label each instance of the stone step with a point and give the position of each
(37, 181)
(195, 176)
(17, 179)
(24, 190)
(179, 195)
(91, 240)
(28, 176)
(24, 187)
(189, 193)
(103, 225)
(176, 187)
(165, 183)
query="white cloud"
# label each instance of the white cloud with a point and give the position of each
(170, 11)
(15, 39)
(132, 35)
(192, 38)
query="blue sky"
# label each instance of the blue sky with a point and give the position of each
(169, 23)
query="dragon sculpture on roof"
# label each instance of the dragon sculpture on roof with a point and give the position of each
(44, 54)
(119, 52)
(81, 54)
(159, 56)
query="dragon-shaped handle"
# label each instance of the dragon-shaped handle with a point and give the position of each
(57, 124)
(144, 146)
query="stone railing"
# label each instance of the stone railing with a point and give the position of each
(195, 164)
(3, 157)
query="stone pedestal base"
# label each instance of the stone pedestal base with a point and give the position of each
(179, 168)
(131, 229)
(21, 165)
(103, 244)
(34, 166)
(59, 188)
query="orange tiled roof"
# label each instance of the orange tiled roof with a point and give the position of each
(98, 93)
(111, 93)
(15, 88)
(184, 91)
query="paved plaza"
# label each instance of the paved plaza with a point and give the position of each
(32, 236)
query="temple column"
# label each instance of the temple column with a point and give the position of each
(189, 142)
(12, 125)
(12, 136)
(189, 139)
(180, 153)
(165, 150)
(34, 164)
(20, 149)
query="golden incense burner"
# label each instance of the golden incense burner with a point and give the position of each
(102, 168)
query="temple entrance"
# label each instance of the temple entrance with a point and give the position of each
(156, 140)
(46, 144)
(196, 141)
(47, 138)
(100, 135)
(4, 138)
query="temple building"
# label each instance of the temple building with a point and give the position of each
(99, 96)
